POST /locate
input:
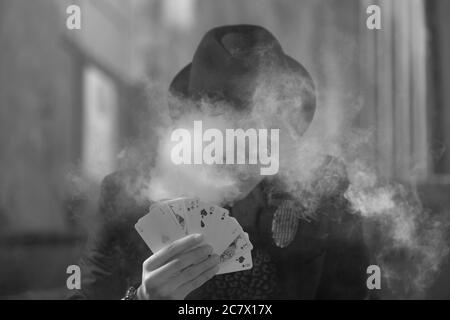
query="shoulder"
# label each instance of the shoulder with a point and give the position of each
(122, 195)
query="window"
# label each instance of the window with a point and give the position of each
(179, 13)
(439, 84)
(394, 68)
(99, 125)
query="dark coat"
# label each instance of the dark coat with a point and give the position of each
(326, 260)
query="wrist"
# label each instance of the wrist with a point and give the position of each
(131, 294)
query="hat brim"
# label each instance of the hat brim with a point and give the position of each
(180, 85)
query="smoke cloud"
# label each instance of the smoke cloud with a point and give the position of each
(410, 241)
(407, 240)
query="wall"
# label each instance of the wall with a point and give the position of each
(41, 65)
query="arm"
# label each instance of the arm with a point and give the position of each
(101, 274)
(116, 254)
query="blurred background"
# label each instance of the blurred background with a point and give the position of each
(72, 100)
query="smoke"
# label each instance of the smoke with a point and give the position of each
(406, 240)
(215, 184)
(413, 241)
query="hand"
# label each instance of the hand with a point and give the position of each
(176, 270)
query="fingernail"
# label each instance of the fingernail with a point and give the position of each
(198, 237)
(215, 258)
(209, 249)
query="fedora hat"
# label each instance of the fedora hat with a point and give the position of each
(231, 61)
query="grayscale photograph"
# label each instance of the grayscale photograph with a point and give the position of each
(232, 150)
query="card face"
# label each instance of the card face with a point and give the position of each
(206, 216)
(150, 233)
(178, 210)
(158, 229)
(223, 215)
(191, 204)
(222, 228)
(238, 263)
(171, 225)
(167, 214)
(193, 216)
(210, 225)
(231, 229)
(240, 245)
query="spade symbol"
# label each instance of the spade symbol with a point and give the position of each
(202, 224)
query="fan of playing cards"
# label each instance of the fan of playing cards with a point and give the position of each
(171, 220)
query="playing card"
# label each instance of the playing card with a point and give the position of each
(238, 263)
(191, 204)
(158, 229)
(178, 210)
(230, 231)
(168, 214)
(193, 216)
(221, 216)
(210, 223)
(221, 227)
(240, 245)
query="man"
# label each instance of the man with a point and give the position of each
(319, 255)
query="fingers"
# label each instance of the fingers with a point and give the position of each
(176, 270)
(164, 255)
(183, 261)
(196, 270)
(190, 286)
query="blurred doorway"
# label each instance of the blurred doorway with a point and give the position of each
(99, 124)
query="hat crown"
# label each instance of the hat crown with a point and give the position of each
(245, 41)
(231, 61)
